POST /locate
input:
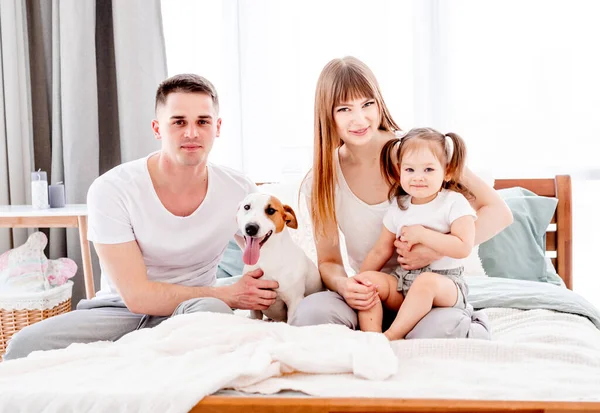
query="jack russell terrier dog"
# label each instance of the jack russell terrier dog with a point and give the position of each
(262, 220)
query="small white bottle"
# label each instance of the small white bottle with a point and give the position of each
(39, 190)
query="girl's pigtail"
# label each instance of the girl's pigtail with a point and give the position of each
(390, 168)
(456, 165)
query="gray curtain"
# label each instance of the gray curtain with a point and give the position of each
(78, 99)
(16, 133)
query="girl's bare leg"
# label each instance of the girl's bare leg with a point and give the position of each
(429, 289)
(372, 319)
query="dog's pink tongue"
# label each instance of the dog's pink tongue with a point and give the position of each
(252, 251)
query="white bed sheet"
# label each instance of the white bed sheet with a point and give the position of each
(534, 355)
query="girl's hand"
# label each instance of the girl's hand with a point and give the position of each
(412, 234)
(360, 294)
(416, 257)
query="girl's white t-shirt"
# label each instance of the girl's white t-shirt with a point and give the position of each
(438, 215)
(123, 206)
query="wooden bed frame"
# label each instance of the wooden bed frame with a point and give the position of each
(558, 243)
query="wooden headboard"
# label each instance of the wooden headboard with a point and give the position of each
(559, 236)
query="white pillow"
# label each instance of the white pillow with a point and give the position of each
(472, 264)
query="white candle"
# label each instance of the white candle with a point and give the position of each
(39, 190)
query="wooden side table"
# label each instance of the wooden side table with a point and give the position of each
(70, 216)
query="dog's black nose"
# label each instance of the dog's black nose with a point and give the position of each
(251, 229)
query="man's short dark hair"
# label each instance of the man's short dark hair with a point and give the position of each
(186, 83)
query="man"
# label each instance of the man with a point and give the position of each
(159, 225)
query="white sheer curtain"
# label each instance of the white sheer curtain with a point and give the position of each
(518, 80)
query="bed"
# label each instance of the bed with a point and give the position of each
(558, 244)
(545, 358)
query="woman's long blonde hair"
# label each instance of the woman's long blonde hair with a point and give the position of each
(340, 81)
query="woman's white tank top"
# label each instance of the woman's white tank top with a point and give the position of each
(359, 222)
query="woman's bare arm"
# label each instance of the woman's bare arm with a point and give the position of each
(358, 295)
(329, 259)
(493, 215)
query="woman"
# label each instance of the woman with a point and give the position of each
(347, 190)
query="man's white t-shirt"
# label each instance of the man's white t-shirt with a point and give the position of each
(123, 206)
(437, 215)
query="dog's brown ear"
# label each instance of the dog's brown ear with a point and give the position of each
(290, 217)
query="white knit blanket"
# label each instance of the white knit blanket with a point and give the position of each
(535, 355)
(171, 367)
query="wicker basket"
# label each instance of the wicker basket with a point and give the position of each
(18, 311)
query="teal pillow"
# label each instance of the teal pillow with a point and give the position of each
(231, 263)
(519, 252)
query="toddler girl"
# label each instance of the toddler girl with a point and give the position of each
(423, 169)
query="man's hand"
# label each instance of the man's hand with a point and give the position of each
(251, 293)
(416, 257)
(360, 294)
(411, 235)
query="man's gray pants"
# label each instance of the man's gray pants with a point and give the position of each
(96, 320)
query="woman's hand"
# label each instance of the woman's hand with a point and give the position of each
(359, 293)
(416, 257)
